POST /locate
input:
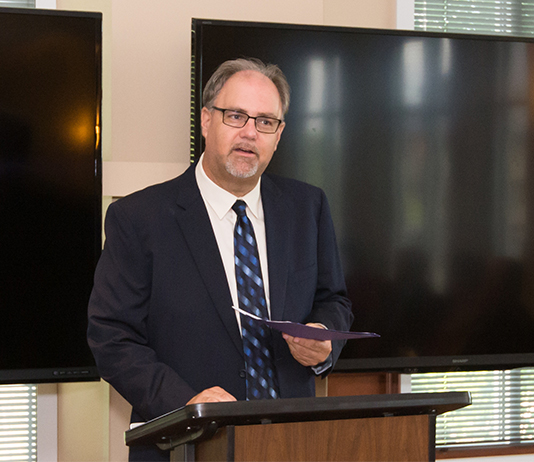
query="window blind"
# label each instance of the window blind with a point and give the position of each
(18, 423)
(17, 3)
(511, 17)
(502, 411)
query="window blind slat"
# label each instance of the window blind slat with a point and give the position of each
(17, 3)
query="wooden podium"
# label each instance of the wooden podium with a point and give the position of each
(397, 427)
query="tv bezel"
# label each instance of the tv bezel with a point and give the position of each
(400, 364)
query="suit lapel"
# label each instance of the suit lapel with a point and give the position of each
(277, 223)
(192, 217)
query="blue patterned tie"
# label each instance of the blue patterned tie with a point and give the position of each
(261, 378)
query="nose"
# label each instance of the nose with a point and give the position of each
(249, 130)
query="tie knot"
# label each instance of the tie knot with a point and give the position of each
(240, 208)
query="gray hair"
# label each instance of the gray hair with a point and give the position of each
(229, 68)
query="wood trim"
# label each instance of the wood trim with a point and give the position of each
(432, 438)
(349, 384)
(484, 452)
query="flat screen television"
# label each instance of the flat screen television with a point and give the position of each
(50, 192)
(424, 145)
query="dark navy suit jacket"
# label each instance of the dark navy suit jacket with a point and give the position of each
(161, 326)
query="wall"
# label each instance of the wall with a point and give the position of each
(151, 72)
(146, 140)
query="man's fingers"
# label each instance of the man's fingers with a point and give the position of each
(212, 395)
(308, 352)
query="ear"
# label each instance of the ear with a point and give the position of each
(205, 120)
(279, 134)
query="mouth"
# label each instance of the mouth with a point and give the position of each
(245, 150)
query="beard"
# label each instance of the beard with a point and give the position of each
(240, 167)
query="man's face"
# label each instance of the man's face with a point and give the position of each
(235, 158)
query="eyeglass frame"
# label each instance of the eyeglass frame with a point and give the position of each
(249, 117)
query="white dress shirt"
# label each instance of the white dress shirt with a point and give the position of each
(219, 204)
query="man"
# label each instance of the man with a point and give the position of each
(161, 323)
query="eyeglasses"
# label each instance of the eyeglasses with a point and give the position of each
(238, 119)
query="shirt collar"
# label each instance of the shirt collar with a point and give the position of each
(220, 200)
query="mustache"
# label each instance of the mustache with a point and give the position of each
(245, 147)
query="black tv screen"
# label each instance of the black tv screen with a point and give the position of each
(424, 145)
(50, 192)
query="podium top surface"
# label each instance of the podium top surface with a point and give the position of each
(191, 422)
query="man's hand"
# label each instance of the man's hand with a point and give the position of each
(211, 395)
(309, 352)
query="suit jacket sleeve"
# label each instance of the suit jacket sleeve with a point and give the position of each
(331, 306)
(117, 332)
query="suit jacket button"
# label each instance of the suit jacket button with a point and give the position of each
(242, 373)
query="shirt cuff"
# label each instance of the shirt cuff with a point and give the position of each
(324, 366)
